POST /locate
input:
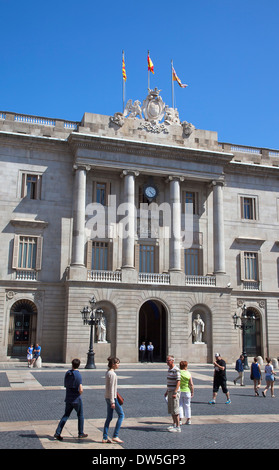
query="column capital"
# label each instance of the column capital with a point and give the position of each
(217, 183)
(174, 178)
(81, 166)
(129, 172)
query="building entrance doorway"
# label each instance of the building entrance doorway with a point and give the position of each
(153, 327)
(22, 330)
(253, 334)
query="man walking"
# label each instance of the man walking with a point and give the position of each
(240, 369)
(173, 394)
(219, 379)
(74, 389)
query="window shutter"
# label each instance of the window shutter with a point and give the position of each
(259, 259)
(89, 255)
(242, 266)
(15, 252)
(137, 253)
(23, 185)
(200, 262)
(39, 253)
(110, 253)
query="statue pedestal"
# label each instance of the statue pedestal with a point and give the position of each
(102, 352)
(200, 352)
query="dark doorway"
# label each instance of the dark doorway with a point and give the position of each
(152, 327)
(22, 331)
(253, 335)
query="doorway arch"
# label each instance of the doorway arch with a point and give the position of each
(253, 335)
(153, 327)
(22, 327)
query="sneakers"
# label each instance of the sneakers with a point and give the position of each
(58, 437)
(228, 402)
(174, 429)
(82, 436)
(211, 402)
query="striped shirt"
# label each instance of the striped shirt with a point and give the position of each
(172, 378)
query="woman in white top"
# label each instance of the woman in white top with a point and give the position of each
(269, 378)
(112, 401)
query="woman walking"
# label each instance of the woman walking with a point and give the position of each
(269, 378)
(256, 375)
(112, 401)
(186, 393)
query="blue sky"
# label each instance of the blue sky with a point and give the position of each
(61, 58)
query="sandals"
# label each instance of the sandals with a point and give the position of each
(110, 441)
(116, 439)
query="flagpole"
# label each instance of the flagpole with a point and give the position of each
(148, 73)
(172, 91)
(123, 85)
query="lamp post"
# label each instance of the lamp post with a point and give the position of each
(89, 318)
(244, 322)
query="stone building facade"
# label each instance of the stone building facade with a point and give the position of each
(98, 207)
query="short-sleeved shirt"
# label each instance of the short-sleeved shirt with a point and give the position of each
(72, 393)
(37, 351)
(185, 378)
(172, 378)
(219, 373)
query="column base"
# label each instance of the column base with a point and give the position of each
(77, 273)
(177, 278)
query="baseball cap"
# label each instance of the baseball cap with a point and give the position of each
(217, 354)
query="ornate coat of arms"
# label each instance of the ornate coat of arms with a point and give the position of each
(154, 110)
(153, 107)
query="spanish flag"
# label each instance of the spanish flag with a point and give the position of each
(123, 69)
(175, 78)
(150, 64)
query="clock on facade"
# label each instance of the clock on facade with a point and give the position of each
(150, 192)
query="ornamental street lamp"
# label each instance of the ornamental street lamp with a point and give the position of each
(89, 318)
(244, 322)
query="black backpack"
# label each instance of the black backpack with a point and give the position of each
(70, 380)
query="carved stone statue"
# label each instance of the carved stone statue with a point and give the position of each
(171, 116)
(101, 330)
(133, 109)
(198, 329)
(118, 119)
(188, 128)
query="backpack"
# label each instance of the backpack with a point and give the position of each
(70, 379)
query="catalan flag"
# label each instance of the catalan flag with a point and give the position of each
(123, 69)
(175, 78)
(150, 64)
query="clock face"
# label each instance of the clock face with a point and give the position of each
(150, 192)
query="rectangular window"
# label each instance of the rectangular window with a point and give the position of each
(251, 266)
(27, 254)
(101, 193)
(248, 208)
(147, 259)
(100, 258)
(190, 202)
(191, 261)
(31, 186)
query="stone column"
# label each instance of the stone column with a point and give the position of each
(79, 216)
(175, 240)
(128, 257)
(218, 228)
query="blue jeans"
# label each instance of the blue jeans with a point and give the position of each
(78, 406)
(119, 411)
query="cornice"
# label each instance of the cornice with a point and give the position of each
(251, 169)
(134, 147)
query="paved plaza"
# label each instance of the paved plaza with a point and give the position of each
(32, 403)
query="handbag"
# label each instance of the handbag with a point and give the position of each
(120, 399)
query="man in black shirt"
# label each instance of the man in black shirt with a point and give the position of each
(219, 379)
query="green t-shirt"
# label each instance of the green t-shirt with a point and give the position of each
(185, 378)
